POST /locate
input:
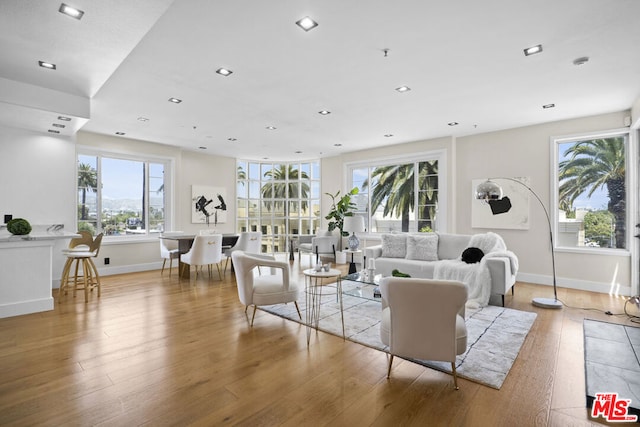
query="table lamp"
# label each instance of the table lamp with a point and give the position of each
(353, 224)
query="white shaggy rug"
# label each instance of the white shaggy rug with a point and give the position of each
(495, 334)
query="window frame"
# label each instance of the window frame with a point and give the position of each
(630, 171)
(441, 225)
(169, 185)
(264, 217)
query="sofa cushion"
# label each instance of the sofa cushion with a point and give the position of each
(450, 246)
(422, 247)
(394, 245)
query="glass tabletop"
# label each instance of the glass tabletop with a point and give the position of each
(358, 284)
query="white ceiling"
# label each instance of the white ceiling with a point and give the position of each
(463, 61)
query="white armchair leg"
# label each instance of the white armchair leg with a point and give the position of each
(455, 375)
(255, 308)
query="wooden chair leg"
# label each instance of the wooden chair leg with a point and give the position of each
(219, 273)
(164, 261)
(389, 368)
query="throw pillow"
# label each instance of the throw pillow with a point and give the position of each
(423, 248)
(394, 245)
(472, 255)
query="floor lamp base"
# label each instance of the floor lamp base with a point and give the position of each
(546, 303)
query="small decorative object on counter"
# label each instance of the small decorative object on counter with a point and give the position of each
(19, 226)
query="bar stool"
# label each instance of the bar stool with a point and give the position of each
(81, 251)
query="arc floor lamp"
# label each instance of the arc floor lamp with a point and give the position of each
(492, 193)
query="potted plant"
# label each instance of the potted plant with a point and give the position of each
(340, 208)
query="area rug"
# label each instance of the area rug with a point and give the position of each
(611, 362)
(495, 334)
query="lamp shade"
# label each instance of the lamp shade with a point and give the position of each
(488, 190)
(353, 224)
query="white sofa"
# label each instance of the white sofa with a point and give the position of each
(438, 256)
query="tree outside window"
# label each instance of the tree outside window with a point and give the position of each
(592, 191)
(400, 197)
(282, 200)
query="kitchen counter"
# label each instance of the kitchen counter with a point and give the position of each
(26, 270)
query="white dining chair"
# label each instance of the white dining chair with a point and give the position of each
(206, 250)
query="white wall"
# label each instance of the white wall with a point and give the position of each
(37, 173)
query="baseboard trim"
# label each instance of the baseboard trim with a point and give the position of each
(582, 285)
(124, 269)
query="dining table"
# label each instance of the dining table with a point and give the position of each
(185, 241)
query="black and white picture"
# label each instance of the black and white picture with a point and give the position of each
(208, 205)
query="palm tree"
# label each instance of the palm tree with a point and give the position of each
(289, 178)
(395, 185)
(87, 181)
(597, 164)
(287, 188)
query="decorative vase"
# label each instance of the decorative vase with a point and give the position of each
(354, 242)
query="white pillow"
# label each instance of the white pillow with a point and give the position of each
(423, 247)
(394, 245)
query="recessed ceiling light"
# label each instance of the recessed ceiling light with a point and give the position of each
(271, 128)
(548, 106)
(64, 119)
(58, 125)
(53, 131)
(231, 139)
(120, 133)
(224, 72)
(70, 11)
(581, 61)
(143, 119)
(324, 112)
(533, 50)
(265, 158)
(453, 123)
(337, 145)
(48, 65)
(388, 135)
(298, 152)
(175, 100)
(403, 89)
(202, 148)
(307, 23)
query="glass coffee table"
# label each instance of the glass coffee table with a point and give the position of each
(358, 284)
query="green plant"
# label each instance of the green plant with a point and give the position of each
(19, 226)
(340, 207)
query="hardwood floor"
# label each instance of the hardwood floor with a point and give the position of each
(156, 350)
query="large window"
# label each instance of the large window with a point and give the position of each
(281, 200)
(121, 196)
(399, 196)
(591, 190)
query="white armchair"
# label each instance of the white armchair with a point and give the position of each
(269, 289)
(248, 241)
(424, 319)
(323, 243)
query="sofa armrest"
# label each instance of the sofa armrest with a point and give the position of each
(372, 252)
(502, 278)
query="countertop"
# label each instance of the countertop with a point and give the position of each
(38, 232)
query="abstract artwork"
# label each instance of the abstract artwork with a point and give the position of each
(208, 205)
(512, 212)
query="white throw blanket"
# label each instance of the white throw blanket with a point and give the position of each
(476, 276)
